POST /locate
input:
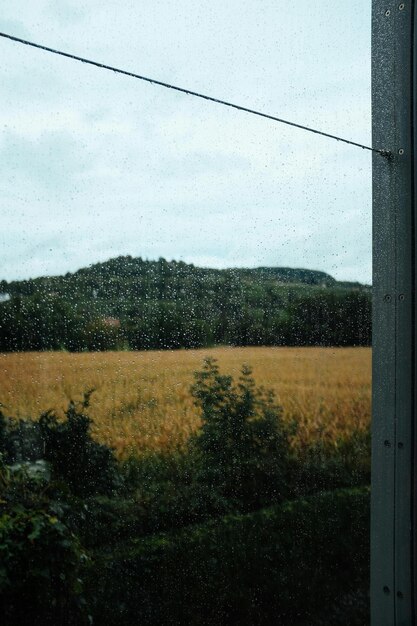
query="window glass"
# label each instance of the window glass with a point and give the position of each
(185, 314)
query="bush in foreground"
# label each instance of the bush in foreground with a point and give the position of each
(82, 464)
(243, 443)
(41, 560)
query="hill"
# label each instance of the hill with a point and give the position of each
(133, 303)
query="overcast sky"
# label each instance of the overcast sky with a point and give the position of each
(95, 165)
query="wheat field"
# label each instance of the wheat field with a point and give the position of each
(142, 400)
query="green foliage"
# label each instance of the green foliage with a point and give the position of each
(253, 569)
(167, 305)
(41, 560)
(243, 443)
(168, 493)
(82, 464)
(19, 440)
(156, 493)
(322, 466)
(85, 465)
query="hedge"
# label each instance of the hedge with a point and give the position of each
(303, 562)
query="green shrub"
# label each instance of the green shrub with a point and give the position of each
(243, 443)
(41, 560)
(85, 465)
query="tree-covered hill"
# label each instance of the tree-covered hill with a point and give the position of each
(132, 303)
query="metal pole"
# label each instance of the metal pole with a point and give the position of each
(393, 492)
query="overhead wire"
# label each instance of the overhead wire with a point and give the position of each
(189, 92)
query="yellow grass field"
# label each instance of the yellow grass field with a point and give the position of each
(142, 400)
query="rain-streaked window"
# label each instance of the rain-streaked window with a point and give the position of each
(185, 313)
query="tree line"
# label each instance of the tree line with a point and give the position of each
(134, 304)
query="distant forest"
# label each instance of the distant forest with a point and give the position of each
(131, 303)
